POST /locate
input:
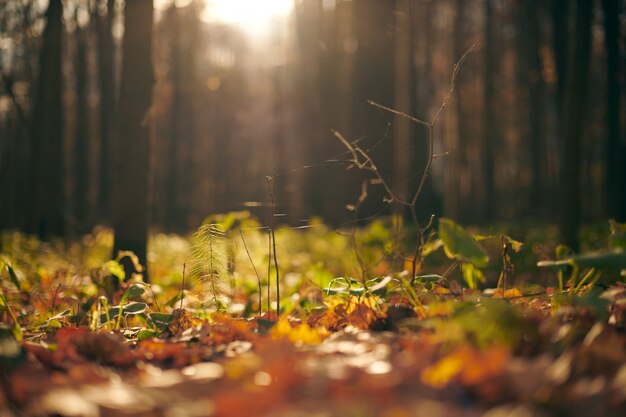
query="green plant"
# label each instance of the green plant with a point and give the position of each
(607, 265)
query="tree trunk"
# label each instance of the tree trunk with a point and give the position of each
(615, 147)
(132, 182)
(81, 138)
(176, 211)
(403, 92)
(573, 124)
(490, 123)
(452, 186)
(106, 81)
(532, 84)
(46, 174)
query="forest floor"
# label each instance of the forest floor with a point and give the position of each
(337, 349)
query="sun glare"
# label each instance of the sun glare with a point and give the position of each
(255, 17)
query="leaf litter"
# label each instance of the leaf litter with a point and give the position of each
(453, 352)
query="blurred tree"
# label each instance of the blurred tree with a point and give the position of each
(454, 121)
(132, 180)
(81, 134)
(490, 123)
(573, 123)
(531, 86)
(403, 100)
(615, 145)
(46, 200)
(104, 13)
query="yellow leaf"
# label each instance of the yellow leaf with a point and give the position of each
(442, 372)
(301, 333)
(468, 364)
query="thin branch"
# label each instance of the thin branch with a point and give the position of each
(399, 113)
(272, 190)
(362, 160)
(258, 277)
(457, 68)
(369, 165)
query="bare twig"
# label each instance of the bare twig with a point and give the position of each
(399, 113)
(258, 277)
(455, 72)
(362, 160)
(272, 190)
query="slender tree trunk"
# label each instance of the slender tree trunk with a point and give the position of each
(615, 146)
(46, 177)
(490, 122)
(560, 25)
(403, 92)
(106, 81)
(573, 124)
(132, 183)
(532, 82)
(176, 214)
(81, 138)
(452, 190)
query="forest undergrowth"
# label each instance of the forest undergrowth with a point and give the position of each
(490, 325)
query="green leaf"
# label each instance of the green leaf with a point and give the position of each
(428, 278)
(607, 259)
(516, 245)
(160, 320)
(135, 290)
(14, 279)
(472, 275)
(430, 247)
(459, 244)
(614, 259)
(135, 308)
(115, 269)
(145, 334)
(16, 329)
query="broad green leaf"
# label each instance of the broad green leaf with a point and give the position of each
(113, 312)
(135, 290)
(160, 320)
(516, 245)
(135, 308)
(145, 334)
(613, 259)
(459, 244)
(161, 317)
(430, 247)
(115, 269)
(472, 275)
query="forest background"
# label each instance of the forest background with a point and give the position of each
(534, 130)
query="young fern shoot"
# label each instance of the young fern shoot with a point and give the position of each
(210, 259)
